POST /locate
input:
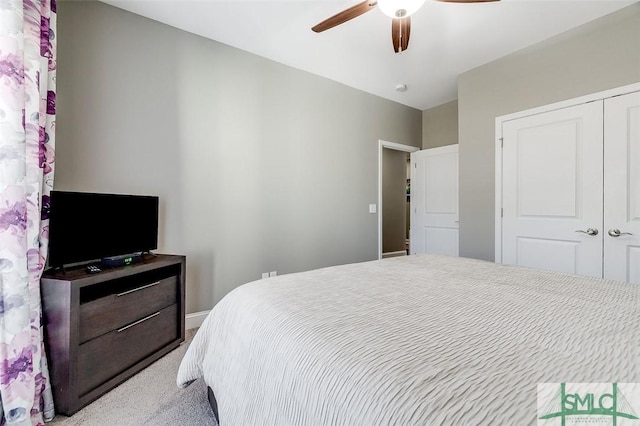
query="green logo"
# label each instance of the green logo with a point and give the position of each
(585, 401)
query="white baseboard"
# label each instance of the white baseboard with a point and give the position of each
(195, 320)
(394, 254)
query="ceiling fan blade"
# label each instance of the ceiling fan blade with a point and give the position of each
(345, 15)
(400, 32)
(466, 1)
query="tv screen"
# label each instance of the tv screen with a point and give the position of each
(88, 226)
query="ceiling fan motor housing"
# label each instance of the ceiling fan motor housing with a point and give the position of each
(399, 8)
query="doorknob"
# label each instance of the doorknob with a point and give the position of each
(590, 231)
(616, 232)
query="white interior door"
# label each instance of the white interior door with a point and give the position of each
(622, 188)
(552, 190)
(434, 201)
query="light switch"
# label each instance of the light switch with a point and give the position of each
(372, 208)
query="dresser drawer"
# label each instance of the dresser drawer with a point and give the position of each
(108, 313)
(106, 356)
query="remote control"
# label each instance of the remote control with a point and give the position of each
(92, 269)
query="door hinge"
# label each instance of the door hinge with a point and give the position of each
(415, 165)
(501, 142)
(501, 212)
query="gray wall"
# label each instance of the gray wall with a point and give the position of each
(394, 200)
(440, 125)
(259, 166)
(597, 56)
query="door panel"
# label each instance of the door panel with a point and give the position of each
(622, 188)
(441, 195)
(441, 240)
(539, 172)
(434, 201)
(541, 253)
(552, 187)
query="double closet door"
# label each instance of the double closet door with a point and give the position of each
(571, 189)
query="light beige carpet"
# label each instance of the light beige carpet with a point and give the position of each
(151, 397)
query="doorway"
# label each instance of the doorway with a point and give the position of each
(392, 198)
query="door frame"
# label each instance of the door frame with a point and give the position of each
(396, 147)
(598, 96)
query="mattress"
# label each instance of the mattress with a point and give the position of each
(415, 340)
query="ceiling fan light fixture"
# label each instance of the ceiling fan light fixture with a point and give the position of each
(399, 8)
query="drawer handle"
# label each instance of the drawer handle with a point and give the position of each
(137, 322)
(137, 289)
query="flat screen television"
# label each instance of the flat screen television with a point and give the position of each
(88, 226)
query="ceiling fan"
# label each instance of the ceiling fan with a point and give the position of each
(399, 10)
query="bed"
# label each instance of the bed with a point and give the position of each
(415, 340)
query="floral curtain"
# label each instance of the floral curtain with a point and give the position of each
(27, 124)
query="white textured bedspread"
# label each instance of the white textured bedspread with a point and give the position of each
(416, 340)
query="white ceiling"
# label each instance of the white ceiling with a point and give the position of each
(447, 39)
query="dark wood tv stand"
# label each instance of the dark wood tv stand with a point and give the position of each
(102, 328)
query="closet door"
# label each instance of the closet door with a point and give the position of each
(552, 190)
(622, 188)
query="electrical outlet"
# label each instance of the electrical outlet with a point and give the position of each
(273, 273)
(265, 275)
